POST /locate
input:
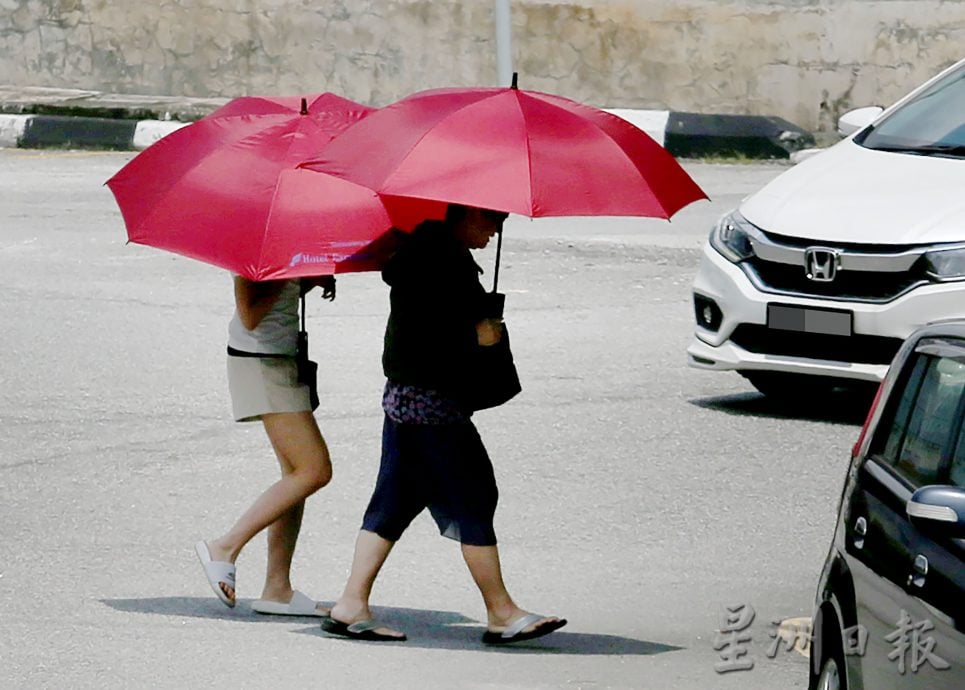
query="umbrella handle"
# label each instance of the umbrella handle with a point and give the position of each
(499, 249)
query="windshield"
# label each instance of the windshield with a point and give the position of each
(933, 123)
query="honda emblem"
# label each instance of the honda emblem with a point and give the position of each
(821, 264)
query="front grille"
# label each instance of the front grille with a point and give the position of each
(871, 286)
(864, 349)
(859, 247)
(865, 272)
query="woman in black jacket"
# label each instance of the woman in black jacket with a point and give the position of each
(432, 455)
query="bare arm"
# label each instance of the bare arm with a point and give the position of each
(255, 299)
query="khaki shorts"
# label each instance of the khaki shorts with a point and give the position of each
(262, 385)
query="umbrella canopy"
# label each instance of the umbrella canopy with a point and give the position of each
(320, 224)
(511, 150)
(216, 191)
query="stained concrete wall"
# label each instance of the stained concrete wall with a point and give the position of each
(804, 60)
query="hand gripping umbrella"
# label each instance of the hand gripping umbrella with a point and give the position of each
(221, 191)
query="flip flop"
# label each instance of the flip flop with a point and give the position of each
(514, 631)
(361, 630)
(217, 572)
(300, 605)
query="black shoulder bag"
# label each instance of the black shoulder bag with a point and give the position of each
(495, 377)
(307, 369)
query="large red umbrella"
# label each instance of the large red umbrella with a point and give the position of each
(217, 191)
(320, 224)
(512, 150)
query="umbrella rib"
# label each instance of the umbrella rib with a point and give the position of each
(626, 155)
(195, 166)
(415, 144)
(274, 194)
(264, 238)
(529, 149)
(623, 153)
(286, 166)
(529, 156)
(409, 152)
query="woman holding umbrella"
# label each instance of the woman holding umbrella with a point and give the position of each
(519, 151)
(432, 455)
(264, 385)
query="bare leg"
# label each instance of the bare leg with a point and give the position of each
(282, 535)
(371, 550)
(501, 610)
(296, 438)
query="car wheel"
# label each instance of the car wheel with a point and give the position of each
(830, 678)
(827, 650)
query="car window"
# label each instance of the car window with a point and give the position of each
(896, 430)
(926, 419)
(936, 117)
(956, 473)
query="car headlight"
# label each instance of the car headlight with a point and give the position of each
(945, 264)
(732, 237)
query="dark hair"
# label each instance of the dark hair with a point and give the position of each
(455, 213)
(494, 214)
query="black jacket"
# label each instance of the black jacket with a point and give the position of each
(436, 300)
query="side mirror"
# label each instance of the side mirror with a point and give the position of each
(853, 120)
(938, 510)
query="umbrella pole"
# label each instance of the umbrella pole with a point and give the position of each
(499, 249)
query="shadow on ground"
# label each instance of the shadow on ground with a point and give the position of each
(425, 629)
(837, 407)
(200, 607)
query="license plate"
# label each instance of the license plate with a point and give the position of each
(809, 320)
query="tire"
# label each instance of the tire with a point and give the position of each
(828, 643)
(831, 677)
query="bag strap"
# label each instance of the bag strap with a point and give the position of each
(302, 349)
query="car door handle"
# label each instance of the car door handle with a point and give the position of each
(919, 572)
(860, 531)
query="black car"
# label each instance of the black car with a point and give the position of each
(890, 608)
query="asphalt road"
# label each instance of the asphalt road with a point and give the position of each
(639, 497)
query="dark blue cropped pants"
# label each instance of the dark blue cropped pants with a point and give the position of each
(443, 467)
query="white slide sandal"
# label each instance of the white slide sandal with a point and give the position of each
(217, 572)
(300, 605)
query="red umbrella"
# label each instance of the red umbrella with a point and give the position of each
(320, 224)
(517, 151)
(217, 191)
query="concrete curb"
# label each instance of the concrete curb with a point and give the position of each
(685, 135)
(11, 129)
(59, 131)
(696, 135)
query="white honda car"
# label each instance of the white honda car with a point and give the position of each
(815, 280)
